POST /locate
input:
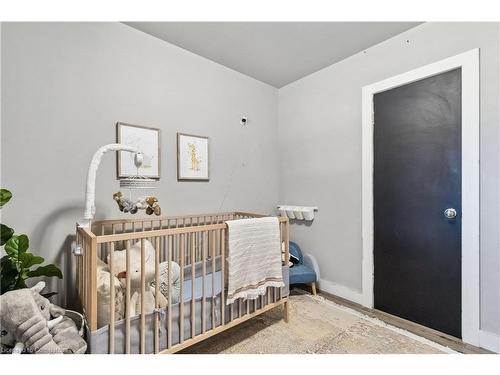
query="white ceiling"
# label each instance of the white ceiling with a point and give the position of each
(277, 53)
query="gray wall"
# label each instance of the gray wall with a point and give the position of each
(65, 85)
(320, 148)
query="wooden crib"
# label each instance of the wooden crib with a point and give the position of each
(198, 243)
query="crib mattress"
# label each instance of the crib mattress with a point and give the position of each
(198, 286)
(98, 340)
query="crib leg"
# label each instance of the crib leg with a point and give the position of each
(286, 311)
(313, 288)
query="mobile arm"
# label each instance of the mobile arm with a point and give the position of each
(91, 177)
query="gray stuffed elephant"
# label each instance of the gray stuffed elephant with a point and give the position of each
(24, 321)
(67, 337)
(46, 330)
(63, 329)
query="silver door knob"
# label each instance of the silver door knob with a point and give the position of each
(450, 213)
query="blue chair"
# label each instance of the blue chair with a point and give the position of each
(306, 271)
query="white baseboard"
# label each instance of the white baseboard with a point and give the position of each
(489, 341)
(341, 291)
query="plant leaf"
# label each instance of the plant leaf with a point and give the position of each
(6, 233)
(8, 273)
(49, 270)
(12, 246)
(16, 245)
(20, 284)
(24, 243)
(27, 259)
(5, 196)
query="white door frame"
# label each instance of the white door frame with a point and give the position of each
(469, 63)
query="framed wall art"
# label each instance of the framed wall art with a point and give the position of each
(147, 140)
(192, 158)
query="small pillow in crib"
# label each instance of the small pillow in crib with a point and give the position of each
(104, 295)
(175, 281)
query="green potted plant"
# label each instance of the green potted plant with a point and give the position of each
(17, 265)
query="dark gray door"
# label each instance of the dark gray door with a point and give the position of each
(417, 177)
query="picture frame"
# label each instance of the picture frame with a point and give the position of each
(193, 159)
(147, 140)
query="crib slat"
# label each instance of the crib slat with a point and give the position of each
(143, 292)
(177, 244)
(197, 247)
(85, 262)
(77, 264)
(103, 248)
(157, 291)
(169, 289)
(287, 256)
(86, 272)
(213, 279)
(81, 274)
(222, 234)
(112, 299)
(181, 306)
(92, 252)
(84, 275)
(193, 277)
(123, 231)
(188, 247)
(127, 298)
(162, 243)
(231, 312)
(282, 234)
(204, 275)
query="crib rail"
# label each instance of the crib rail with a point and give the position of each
(197, 243)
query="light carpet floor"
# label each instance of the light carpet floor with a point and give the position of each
(316, 326)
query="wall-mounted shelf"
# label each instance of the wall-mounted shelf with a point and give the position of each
(297, 212)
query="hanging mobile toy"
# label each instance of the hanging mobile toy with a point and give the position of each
(150, 204)
(137, 182)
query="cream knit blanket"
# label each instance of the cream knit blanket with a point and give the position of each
(254, 257)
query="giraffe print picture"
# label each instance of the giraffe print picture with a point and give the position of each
(192, 157)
